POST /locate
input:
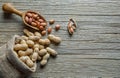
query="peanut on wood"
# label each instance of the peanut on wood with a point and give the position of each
(44, 60)
(45, 42)
(54, 39)
(46, 56)
(51, 21)
(51, 51)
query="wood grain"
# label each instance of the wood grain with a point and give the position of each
(77, 66)
(94, 49)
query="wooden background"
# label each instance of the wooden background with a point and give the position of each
(94, 49)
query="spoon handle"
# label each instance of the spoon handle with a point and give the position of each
(7, 7)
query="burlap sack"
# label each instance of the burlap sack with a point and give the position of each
(10, 64)
(7, 70)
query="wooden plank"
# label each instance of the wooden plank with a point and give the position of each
(78, 7)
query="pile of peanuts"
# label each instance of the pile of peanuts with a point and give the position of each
(35, 20)
(31, 48)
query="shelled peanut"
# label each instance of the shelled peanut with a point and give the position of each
(52, 21)
(31, 48)
(71, 26)
(57, 27)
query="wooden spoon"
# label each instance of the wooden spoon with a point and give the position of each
(7, 7)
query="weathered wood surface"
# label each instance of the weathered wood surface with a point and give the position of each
(94, 49)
